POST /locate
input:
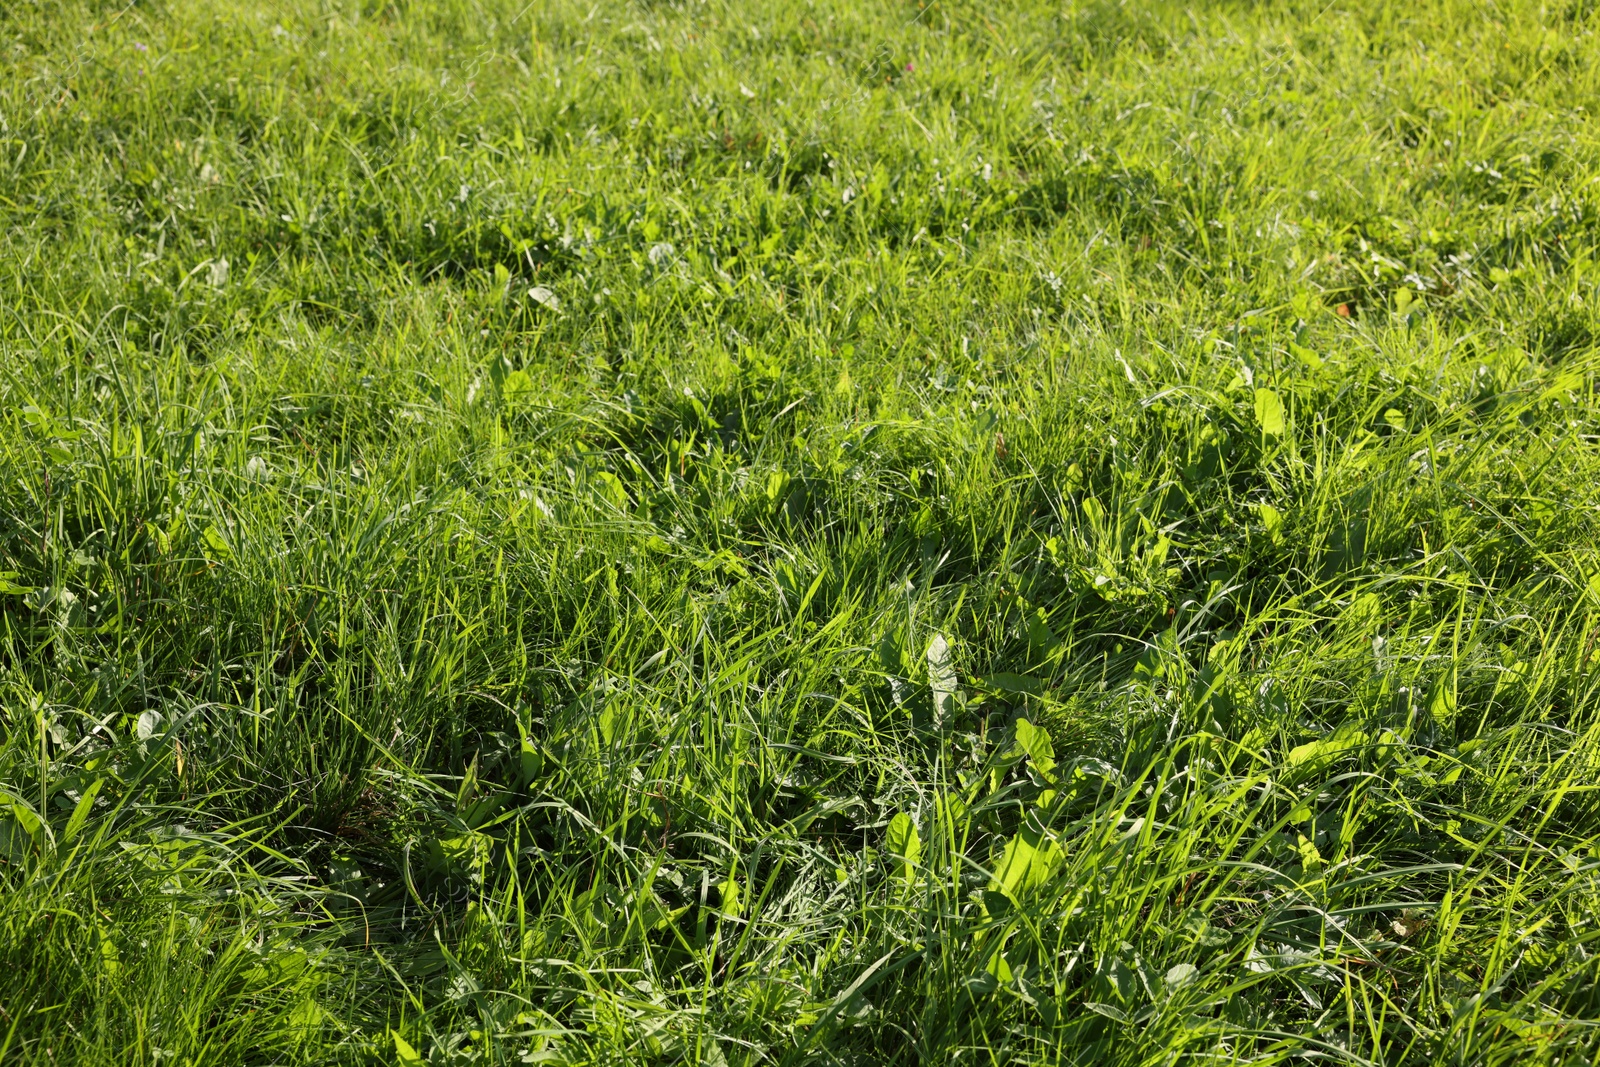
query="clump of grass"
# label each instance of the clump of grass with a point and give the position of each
(797, 533)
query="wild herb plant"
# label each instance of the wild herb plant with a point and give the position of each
(808, 532)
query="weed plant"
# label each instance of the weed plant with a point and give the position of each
(846, 533)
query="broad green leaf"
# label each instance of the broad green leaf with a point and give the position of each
(1306, 753)
(404, 1054)
(610, 489)
(482, 809)
(1116, 975)
(1027, 862)
(892, 655)
(1271, 518)
(15, 841)
(457, 856)
(1325, 750)
(984, 982)
(1042, 640)
(1442, 702)
(218, 546)
(1035, 741)
(81, 810)
(11, 588)
(110, 958)
(1019, 684)
(1180, 975)
(904, 844)
(532, 761)
(1269, 412)
(22, 831)
(1306, 356)
(1150, 665)
(27, 819)
(517, 386)
(1107, 1010)
(732, 896)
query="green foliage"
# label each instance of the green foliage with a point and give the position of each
(679, 532)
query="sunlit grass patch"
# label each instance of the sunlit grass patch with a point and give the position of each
(693, 533)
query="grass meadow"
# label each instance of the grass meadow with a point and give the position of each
(811, 532)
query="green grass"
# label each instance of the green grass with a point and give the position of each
(812, 532)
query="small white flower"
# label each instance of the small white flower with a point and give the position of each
(662, 251)
(218, 276)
